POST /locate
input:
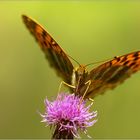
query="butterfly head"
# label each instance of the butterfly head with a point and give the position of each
(81, 70)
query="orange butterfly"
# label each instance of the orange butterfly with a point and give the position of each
(88, 84)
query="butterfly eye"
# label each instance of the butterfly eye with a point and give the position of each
(80, 71)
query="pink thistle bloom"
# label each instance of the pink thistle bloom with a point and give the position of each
(68, 114)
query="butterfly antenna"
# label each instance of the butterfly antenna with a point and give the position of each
(97, 62)
(73, 59)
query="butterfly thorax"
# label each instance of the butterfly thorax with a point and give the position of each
(78, 77)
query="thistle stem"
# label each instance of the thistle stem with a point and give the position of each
(63, 134)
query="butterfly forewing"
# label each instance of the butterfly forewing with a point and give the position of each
(112, 73)
(53, 52)
(104, 77)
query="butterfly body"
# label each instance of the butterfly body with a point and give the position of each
(105, 76)
(79, 77)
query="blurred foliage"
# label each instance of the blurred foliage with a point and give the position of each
(89, 31)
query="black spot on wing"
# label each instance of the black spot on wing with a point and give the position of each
(44, 42)
(132, 64)
(125, 63)
(124, 59)
(136, 54)
(118, 59)
(44, 34)
(135, 58)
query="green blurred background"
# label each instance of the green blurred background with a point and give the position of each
(88, 31)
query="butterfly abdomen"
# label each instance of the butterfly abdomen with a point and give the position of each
(79, 78)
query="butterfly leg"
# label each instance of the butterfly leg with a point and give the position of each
(88, 84)
(90, 99)
(66, 84)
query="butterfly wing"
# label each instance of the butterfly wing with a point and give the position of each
(112, 73)
(56, 56)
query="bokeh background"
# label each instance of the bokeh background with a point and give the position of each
(89, 31)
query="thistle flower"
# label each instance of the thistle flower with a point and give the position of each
(67, 115)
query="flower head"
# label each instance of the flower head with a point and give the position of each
(68, 114)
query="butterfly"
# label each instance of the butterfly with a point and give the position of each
(105, 76)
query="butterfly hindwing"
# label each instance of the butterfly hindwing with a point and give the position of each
(53, 52)
(112, 73)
